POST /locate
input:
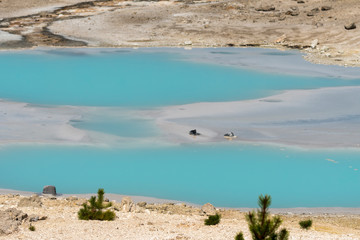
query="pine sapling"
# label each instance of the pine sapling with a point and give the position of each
(262, 226)
(94, 211)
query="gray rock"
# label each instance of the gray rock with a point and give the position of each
(325, 8)
(4, 24)
(142, 204)
(315, 10)
(350, 26)
(310, 14)
(293, 11)
(127, 205)
(33, 201)
(35, 218)
(314, 43)
(49, 190)
(208, 209)
(266, 8)
(10, 220)
(72, 198)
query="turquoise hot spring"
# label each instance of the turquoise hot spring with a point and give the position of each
(226, 174)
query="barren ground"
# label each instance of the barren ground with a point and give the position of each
(162, 221)
(313, 26)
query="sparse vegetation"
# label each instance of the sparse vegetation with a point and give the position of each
(213, 219)
(261, 225)
(305, 224)
(95, 210)
(32, 228)
(239, 236)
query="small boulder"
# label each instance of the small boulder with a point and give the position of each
(127, 205)
(208, 209)
(266, 8)
(4, 24)
(325, 8)
(314, 43)
(293, 11)
(49, 190)
(33, 201)
(350, 26)
(142, 204)
(72, 198)
(10, 220)
(35, 218)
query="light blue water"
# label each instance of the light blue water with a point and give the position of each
(133, 78)
(231, 175)
(225, 175)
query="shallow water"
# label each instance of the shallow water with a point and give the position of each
(137, 79)
(227, 174)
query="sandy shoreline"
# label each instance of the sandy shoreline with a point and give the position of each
(161, 221)
(151, 200)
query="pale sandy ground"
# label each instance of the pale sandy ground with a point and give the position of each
(15, 8)
(155, 222)
(327, 117)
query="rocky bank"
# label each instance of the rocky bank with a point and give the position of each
(56, 218)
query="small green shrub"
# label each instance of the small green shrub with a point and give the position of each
(213, 219)
(32, 228)
(262, 225)
(95, 210)
(305, 224)
(239, 236)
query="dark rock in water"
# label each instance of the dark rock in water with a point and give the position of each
(229, 134)
(350, 26)
(265, 8)
(49, 190)
(194, 132)
(325, 8)
(10, 220)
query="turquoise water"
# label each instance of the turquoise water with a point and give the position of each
(230, 175)
(136, 79)
(225, 175)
